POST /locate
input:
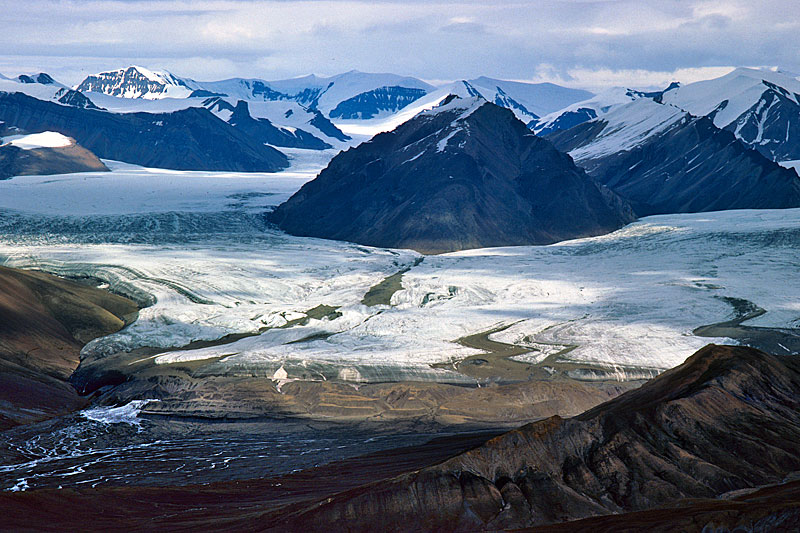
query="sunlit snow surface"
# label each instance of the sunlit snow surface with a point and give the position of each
(198, 243)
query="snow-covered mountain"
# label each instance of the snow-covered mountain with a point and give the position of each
(593, 107)
(137, 82)
(350, 95)
(43, 87)
(664, 160)
(760, 107)
(528, 101)
(354, 94)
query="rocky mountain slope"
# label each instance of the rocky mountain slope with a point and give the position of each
(44, 322)
(727, 419)
(262, 129)
(663, 160)
(188, 139)
(467, 174)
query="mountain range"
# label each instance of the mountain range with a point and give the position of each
(704, 146)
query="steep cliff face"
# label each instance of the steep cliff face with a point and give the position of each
(727, 419)
(465, 175)
(190, 139)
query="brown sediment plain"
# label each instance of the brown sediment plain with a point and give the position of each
(44, 323)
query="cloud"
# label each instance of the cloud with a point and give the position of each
(576, 42)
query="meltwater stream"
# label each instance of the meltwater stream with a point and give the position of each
(114, 446)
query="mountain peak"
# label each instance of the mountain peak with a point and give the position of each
(464, 175)
(137, 82)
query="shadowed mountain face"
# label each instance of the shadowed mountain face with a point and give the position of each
(44, 322)
(190, 139)
(682, 164)
(465, 175)
(727, 419)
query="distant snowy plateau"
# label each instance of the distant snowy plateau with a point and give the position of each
(195, 247)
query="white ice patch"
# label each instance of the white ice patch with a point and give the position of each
(20, 486)
(794, 164)
(441, 145)
(125, 414)
(47, 139)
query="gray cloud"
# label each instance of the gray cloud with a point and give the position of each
(580, 42)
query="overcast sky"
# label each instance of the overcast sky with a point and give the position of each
(580, 43)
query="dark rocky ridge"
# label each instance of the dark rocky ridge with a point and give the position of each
(75, 99)
(15, 161)
(691, 167)
(770, 509)
(265, 131)
(190, 139)
(726, 419)
(466, 175)
(41, 78)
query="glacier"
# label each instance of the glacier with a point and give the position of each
(194, 247)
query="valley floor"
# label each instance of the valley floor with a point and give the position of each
(241, 320)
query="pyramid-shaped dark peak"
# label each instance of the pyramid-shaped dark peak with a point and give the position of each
(466, 174)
